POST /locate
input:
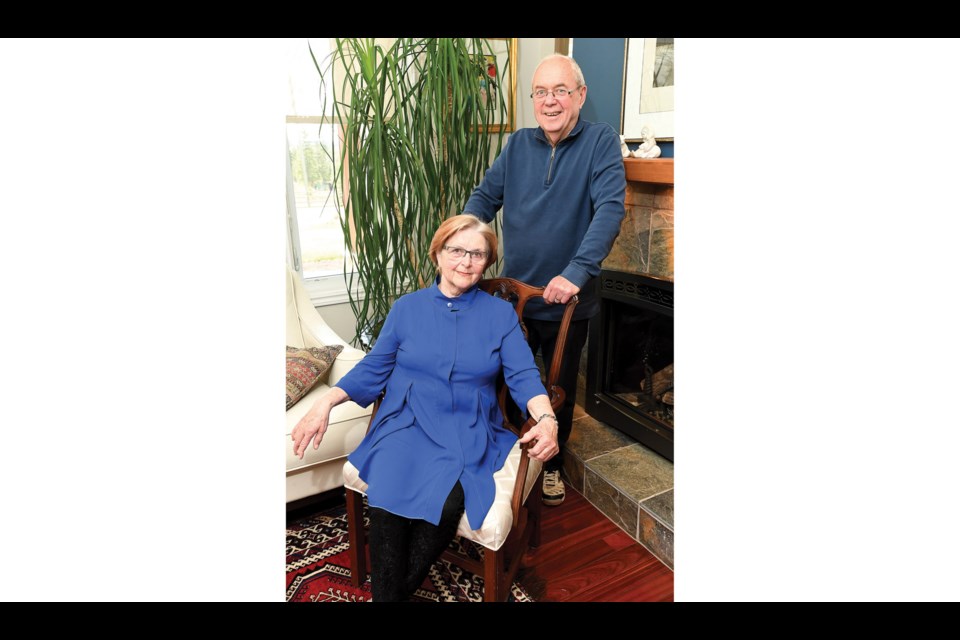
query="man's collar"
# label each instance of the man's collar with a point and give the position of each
(577, 128)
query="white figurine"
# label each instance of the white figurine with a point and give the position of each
(624, 149)
(648, 148)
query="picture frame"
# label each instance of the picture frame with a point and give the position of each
(502, 65)
(647, 88)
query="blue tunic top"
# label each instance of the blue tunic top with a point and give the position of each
(439, 422)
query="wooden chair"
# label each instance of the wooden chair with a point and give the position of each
(513, 523)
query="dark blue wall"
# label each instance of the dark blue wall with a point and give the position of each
(601, 60)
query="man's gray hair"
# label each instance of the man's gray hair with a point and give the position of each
(577, 73)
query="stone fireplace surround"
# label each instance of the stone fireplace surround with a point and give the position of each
(630, 483)
(645, 243)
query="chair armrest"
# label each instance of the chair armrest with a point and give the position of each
(557, 396)
(315, 327)
(312, 325)
(346, 360)
(316, 330)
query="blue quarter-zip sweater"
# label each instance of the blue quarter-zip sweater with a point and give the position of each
(562, 208)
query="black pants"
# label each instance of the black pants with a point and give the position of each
(403, 550)
(542, 336)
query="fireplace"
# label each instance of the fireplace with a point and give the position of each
(629, 382)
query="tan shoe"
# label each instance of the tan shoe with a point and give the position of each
(553, 493)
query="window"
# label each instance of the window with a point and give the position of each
(315, 240)
(320, 238)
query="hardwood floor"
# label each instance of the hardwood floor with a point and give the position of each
(584, 557)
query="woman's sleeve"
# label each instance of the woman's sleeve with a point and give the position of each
(369, 377)
(520, 370)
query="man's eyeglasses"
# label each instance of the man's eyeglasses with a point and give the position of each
(458, 252)
(560, 92)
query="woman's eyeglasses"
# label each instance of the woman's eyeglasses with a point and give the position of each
(458, 252)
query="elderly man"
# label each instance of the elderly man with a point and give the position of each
(561, 186)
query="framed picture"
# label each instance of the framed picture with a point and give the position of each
(648, 88)
(501, 75)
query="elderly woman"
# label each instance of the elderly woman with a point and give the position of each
(437, 438)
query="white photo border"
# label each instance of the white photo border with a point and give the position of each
(644, 104)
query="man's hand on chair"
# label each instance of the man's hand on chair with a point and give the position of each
(559, 291)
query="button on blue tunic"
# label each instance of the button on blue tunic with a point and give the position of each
(439, 422)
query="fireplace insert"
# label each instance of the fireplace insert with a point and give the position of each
(630, 359)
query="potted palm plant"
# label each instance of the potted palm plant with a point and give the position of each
(416, 135)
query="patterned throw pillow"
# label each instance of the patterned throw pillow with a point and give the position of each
(305, 367)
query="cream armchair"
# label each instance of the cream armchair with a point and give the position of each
(321, 469)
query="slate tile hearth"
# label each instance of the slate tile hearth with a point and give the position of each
(629, 483)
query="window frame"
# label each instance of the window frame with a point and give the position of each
(323, 290)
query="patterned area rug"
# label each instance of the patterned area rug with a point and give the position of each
(318, 568)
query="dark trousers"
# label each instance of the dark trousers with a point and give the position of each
(542, 336)
(403, 550)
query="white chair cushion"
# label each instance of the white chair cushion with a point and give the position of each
(499, 520)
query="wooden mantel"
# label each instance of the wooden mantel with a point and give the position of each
(659, 170)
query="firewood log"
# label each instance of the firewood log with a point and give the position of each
(662, 381)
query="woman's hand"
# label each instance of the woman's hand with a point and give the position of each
(314, 424)
(545, 435)
(544, 432)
